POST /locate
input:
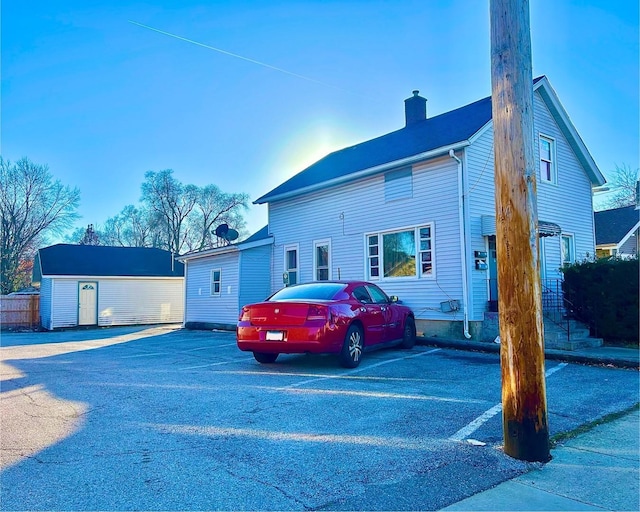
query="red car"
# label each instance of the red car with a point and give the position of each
(335, 317)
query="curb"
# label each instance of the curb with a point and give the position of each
(555, 355)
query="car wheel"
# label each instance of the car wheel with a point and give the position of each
(263, 357)
(352, 348)
(409, 333)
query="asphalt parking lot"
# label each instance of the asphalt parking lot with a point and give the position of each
(163, 418)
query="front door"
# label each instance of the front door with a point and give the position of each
(88, 303)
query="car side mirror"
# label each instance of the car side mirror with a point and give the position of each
(394, 298)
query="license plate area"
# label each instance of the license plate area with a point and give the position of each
(274, 336)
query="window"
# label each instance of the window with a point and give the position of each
(404, 253)
(322, 260)
(568, 249)
(216, 278)
(547, 159)
(290, 265)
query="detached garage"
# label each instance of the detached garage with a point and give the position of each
(104, 286)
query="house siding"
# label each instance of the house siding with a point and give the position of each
(45, 303)
(140, 301)
(569, 202)
(573, 188)
(255, 271)
(480, 193)
(345, 214)
(64, 303)
(202, 307)
(121, 301)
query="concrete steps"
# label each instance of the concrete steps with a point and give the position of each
(568, 335)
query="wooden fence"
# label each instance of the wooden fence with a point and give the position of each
(19, 311)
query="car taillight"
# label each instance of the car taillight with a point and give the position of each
(317, 312)
(245, 316)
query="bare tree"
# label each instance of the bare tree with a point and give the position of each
(214, 207)
(624, 185)
(171, 203)
(132, 227)
(32, 206)
(90, 237)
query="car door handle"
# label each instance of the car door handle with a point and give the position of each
(363, 309)
(383, 308)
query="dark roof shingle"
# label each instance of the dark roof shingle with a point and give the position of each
(613, 225)
(432, 133)
(99, 260)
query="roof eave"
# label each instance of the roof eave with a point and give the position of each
(364, 173)
(208, 252)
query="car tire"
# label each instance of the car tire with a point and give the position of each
(352, 348)
(408, 333)
(265, 357)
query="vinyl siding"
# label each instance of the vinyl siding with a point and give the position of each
(480, 188)
(567, 203)
(45, 303)
(140, 301)
(201, 305)
(255, 272)
(64, 303)
(121, 301)
(344, 214)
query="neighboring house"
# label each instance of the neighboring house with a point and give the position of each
(414, 211)
(220, 281)
(103, 286)
(618, 232)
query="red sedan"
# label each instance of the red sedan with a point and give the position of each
(335, 317)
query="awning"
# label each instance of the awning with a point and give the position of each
(544, 228)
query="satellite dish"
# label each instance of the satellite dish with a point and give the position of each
(222, 230)
(232, 234)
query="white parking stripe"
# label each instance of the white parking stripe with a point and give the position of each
(469, 429)
(364, 368)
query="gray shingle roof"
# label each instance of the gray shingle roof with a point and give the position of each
(432, 133)
(436, 132)
(98, 260)
(613, 225)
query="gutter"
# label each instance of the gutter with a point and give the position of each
(463, 246)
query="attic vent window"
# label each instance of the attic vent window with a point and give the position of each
(398, 185)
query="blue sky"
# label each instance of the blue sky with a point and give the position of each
(101, 100)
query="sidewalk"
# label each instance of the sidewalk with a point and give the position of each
(598, 470)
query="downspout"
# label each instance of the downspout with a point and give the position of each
(463, 246)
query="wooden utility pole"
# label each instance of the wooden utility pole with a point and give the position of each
(524, 402)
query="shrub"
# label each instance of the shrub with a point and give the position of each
(604, 295)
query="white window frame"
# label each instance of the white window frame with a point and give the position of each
(572, 248)
(316, 268)
(287, 270)
(212, 282)
(553, 167)
(379, 237)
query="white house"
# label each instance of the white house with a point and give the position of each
(220, 281)
(414, 211)
(84, 285)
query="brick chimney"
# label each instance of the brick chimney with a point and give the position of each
(415, 109)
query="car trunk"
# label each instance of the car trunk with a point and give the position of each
(279, 313)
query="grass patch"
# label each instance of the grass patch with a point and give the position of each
(582, 429)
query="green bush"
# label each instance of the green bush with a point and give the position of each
(604, 295)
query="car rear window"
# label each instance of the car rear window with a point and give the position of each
(315, 291)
